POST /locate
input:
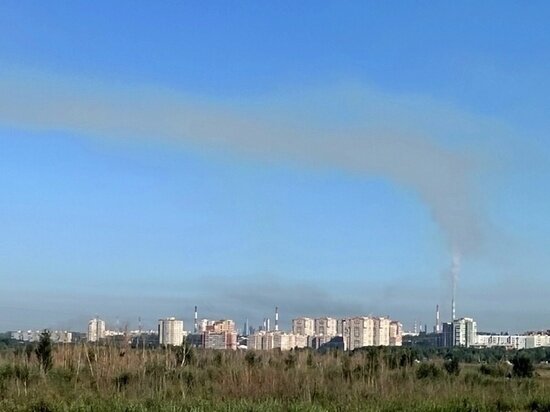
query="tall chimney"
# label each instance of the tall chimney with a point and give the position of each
(437, 323)
(196, 326)
(453, 309)
(276, 318)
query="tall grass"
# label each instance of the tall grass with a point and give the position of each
(103, 378)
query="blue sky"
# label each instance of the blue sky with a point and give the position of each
(239, 156)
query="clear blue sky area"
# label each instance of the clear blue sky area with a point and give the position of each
(156, 203)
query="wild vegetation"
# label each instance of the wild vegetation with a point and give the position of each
(109, 378)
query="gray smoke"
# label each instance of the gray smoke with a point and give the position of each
(455, 271)
(382, 147)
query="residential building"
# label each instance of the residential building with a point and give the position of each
(464, 332)
(360, 332)
(264, 340)
(325, 326)
(506, 341)
(34, 336)
(170, 331)
(395, 333)
(303, 326)
(96, 330)
(220, 326)
(382, 331)
(220, 340)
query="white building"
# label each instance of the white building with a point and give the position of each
(276, 340)
(325, 326)
(171, 331)
(537, 341)
(96, 330)
(371, 331)
(464, 332)
(359, 332)
(396, 333)
(506, 341)
(303, 326)
(34, 336)
(382, 331)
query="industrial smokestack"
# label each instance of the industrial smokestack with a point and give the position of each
(276, 318)
(196, 325)
(437, 322)
(455, 270)
(268, 324)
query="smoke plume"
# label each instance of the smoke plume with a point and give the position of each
(387, 144)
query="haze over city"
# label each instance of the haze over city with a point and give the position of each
(326, 159)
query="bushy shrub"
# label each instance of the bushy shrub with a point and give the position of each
(428, 371)
(122, 380)
(523, 367)
(498, 370)
(452, 366)
(538, 405)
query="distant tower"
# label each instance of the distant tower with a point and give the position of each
(196, 324)
(268, 324)
(246, 328)
(276, 319)
(415, 326)
(437, 321)
(265, 324)
(453, 309)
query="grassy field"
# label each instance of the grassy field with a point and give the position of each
(102, 378)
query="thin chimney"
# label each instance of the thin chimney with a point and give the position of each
(196, 326)
(276, 318)
(437, 321)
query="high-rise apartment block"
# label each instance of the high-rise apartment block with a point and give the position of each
(220, 334)
(325, 326)
(96, 330)
(170, 331)
(303, 326)
(360, 331)
(396, 333)
(264, 340)
(371, 331)
(464, 332)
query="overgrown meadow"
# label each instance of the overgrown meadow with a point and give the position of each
(109, 378)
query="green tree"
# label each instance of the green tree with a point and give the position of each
(43, 351)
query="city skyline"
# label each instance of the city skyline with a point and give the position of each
(306, 160)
